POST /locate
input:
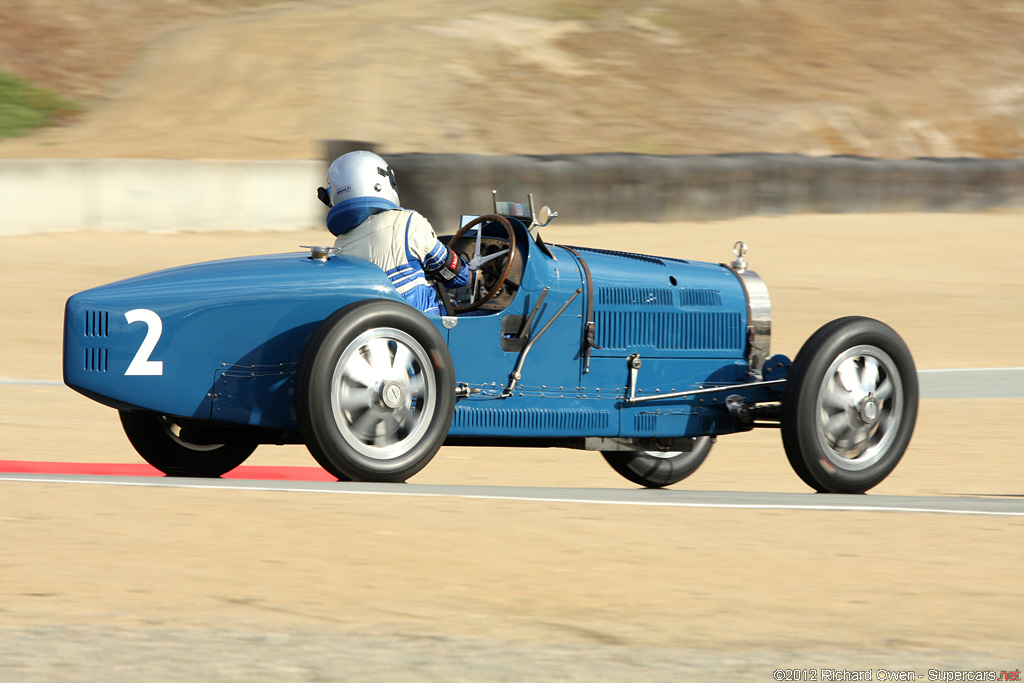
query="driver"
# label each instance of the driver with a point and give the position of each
(369, 223)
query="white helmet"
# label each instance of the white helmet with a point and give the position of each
(360, 174)
(359, 184)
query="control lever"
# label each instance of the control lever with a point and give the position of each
(517, 372)
(525, 331)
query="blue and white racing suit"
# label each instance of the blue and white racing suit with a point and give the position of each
(404, 245)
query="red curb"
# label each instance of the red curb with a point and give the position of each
(146, 470)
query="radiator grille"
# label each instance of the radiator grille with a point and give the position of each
(711, 331)
(531, 419)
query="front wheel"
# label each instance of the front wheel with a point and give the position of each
(157, 439)
(655, 469)
(849, 406)
(375, 392)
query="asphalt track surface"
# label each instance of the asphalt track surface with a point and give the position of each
(947, 383)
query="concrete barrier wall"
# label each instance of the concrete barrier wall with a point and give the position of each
(161, 195)
(589, 188)
(620, 187)
(39, 195)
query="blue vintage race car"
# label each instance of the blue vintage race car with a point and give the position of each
(646, 359)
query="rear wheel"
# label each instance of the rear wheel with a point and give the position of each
(655, 469)
(157, 439)
(849, 406)
(375, 393)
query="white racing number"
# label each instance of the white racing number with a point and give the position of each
(141, 364)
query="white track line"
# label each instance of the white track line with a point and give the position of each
(8, 381)
(330, 487)
(1015, 369)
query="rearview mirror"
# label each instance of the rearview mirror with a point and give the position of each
(545, 215)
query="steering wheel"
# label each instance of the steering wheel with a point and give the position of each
(479, 259)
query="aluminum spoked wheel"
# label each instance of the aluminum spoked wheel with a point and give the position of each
(382, 393)
(849, 406)
(859, 404)
(375, 392)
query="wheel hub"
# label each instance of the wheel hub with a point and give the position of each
(382, 393)
(391, 394)
(869, 410)
(859, 407)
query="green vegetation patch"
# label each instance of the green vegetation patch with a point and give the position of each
(24, 106)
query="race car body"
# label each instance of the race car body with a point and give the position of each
(647, 359)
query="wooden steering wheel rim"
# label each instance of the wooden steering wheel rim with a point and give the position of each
(495, 218)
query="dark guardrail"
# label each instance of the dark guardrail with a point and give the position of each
(592, 188)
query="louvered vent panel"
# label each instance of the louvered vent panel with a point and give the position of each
(96, 359)
(97, 324)
(644, 422)
(531, 420)
(634, 296)
(690, 331)
(700, 298)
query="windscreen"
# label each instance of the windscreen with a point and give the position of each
(511, 199)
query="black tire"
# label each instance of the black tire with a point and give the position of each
(655, 469)
(849, 406)
(375, 392)
(156, 439)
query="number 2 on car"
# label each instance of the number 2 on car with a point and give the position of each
(141, 364)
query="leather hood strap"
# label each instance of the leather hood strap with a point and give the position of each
(589, 334)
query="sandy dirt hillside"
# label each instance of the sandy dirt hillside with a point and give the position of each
(109, 582)
(255, 79)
